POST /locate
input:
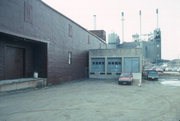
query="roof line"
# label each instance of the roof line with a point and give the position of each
(72, 21)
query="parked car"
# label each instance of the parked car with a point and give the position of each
(159, 70)
(168, 69)
(175, 69)
(125, 78)
(178, 70)
(151, 74)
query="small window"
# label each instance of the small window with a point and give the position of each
(100, 45)
(113, 63)
(103, 63)
(96, 63)
(99, 63)
(93, 63)
(69, 57)
(88, 39)
(109, 63)
(28, 12)
(70, 32)
(92, 73)
(116, 63)
(119, 63)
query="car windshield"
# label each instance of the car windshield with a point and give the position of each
(125, 75)
(153, 72)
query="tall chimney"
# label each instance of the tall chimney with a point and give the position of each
(122, 14)
(140, 25)
(157, 18)
(94, 22)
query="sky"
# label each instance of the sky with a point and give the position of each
(108, 18)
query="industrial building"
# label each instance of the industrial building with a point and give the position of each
(150, 44)
(36, 38)
(109, 63)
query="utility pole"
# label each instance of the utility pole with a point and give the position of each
(122, 14)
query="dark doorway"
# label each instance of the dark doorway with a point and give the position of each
(14, 62)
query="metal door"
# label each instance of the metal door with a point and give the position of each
(114, 65)
(97, 65)
(131, 64)
(14, 62)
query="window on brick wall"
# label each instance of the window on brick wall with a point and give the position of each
(100, 45)
(28, 17)
(88, 39)
(69, 57)
(70, 31)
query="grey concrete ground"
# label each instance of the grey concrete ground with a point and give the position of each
(93, 100)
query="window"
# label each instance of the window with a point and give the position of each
(28, 12)
(100, 45)
(69, 57)
(88, 39)
(70, 32)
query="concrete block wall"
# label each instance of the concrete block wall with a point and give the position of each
(118, 53)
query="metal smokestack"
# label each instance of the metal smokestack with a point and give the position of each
(94, 22)
(157, 18)
(140, 25)
(122, 14)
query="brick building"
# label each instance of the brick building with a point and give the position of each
(36, 38)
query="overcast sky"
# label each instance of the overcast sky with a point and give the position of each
(108, 18)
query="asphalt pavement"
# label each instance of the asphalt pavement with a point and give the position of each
(93, 100)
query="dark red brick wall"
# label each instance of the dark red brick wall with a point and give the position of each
(99, 33)
(34, 19)
(2, 60)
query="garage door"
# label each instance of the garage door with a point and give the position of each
(97, 65)
(114, 65)
(14, 62)
(131, 64)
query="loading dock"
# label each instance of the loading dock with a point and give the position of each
(20, 58)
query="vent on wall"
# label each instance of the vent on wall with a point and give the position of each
(28, 12)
